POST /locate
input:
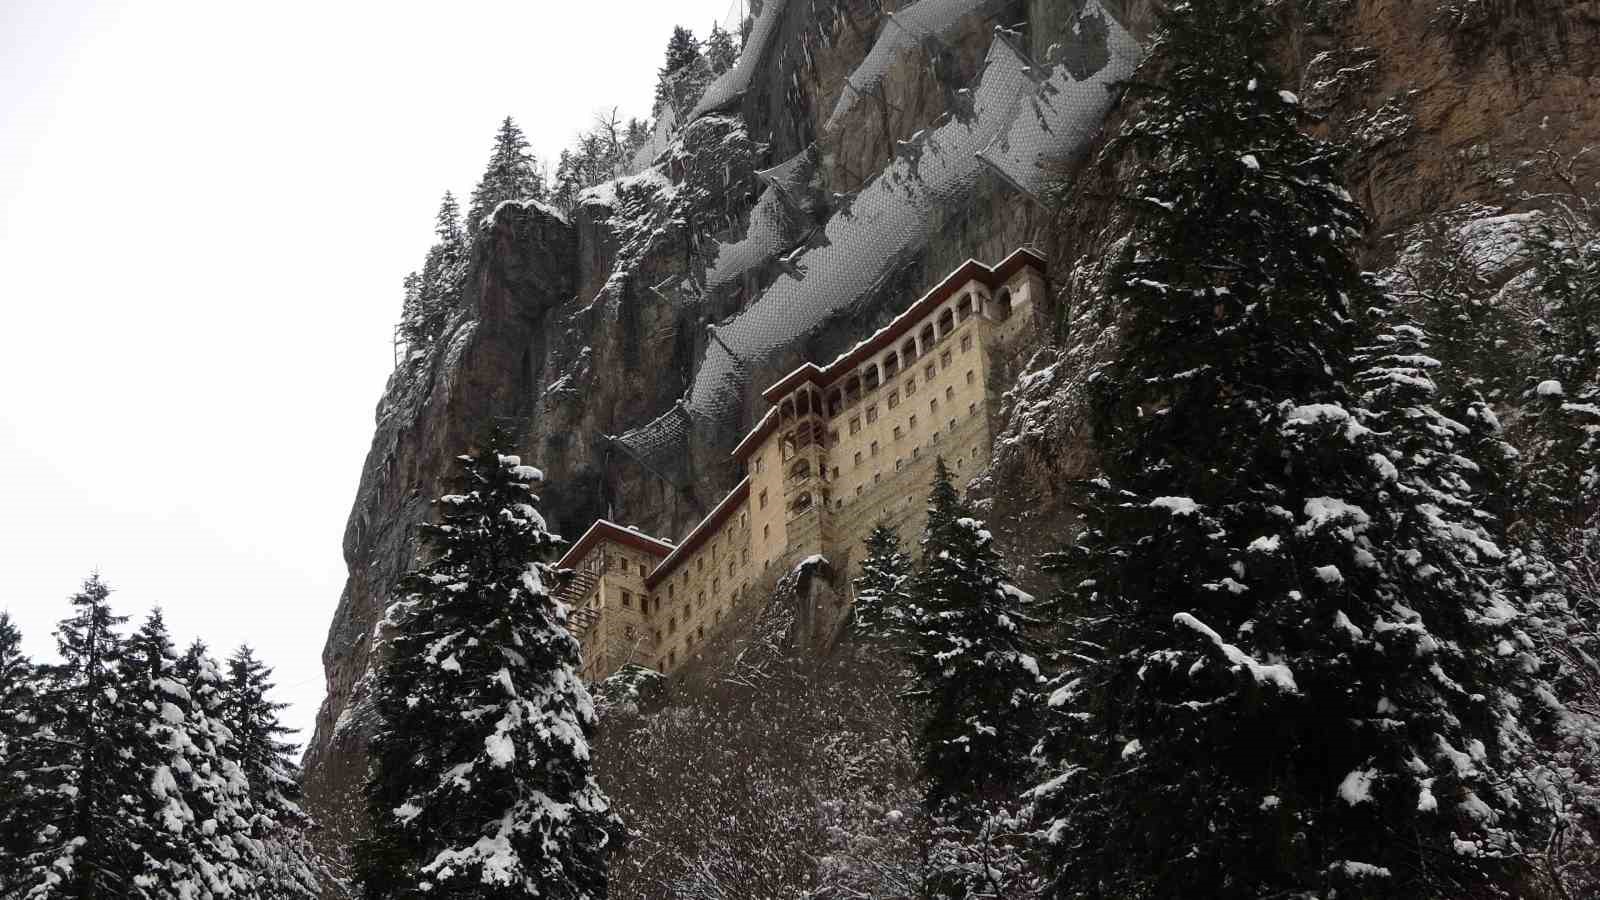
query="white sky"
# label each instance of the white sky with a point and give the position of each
(205, 213)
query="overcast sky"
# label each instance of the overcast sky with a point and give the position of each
(206, 210)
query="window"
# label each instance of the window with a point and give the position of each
(858, 457)
(972, 408)
(627, 600)
(876, 477)
(894, 399)
(716, 587)
(660, 664)
(916, 452)
(669, 592)
(971, 377)
(872, 414)
(643, 571)
(949, 393)
(944, 360)
(933, 405)
(859, 489)
(658, 600)
(897, 432)
(966, 342)
(700, 632)
(766, 532)
(744, 520)
(835, 473)
(672, 625)
(759, 464)
(930, 371)
(731, 564)
(874, 448)
(745, 556)
(913, 423)
(763, 499)
(898, 463)
(855, 424)
(700, 564)
(952, 424)
(911, 386)
(716, 615)
(672, 657)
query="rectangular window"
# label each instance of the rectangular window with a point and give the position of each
(672, 658)
(700, 632)
(952, 424)
(872, 414)
(627, 600)
(944, 360)
(933, 405)
(930, 371)
(759, 462)
(894, 399)
(913, 423)
(876, 476)
(874, 448)
(766, 532)
(669, 592)
(672, 625)
(858, 457)
(971, 377)
(700, 564)
(966, 342)
(859, 489)
(897, 432)
(745, 557)
(835, 473)
(972, 409)
(916, 452)
(731, 564)
(763, 499)
(898, 464)
(833, 437)
(949, 393)
(855, 424)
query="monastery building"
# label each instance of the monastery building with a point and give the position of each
(842, 447)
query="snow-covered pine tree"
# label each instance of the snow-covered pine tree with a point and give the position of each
(26, 754)
(480, 785)
(882, 610)
(288, 867)
(512, 174)
(1561, 476)
(720, 52)
(80, 801)
(683, 77)
(971, 656)
(1292, 660)
(432, 294)
(191, 811)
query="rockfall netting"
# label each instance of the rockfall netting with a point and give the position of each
(1019, 118)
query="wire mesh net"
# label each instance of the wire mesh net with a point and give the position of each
(1020, 117)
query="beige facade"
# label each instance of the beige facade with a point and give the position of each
(843, 447)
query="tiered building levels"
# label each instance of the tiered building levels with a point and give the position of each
(843, 447)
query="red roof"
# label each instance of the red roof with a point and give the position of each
(969, 271)
(701, 532)
(604, 530)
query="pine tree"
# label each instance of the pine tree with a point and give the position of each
(882, 610)
(193, 811)
(82, 803)
(971, 655)
(481, 785)
(1292, 665)
(288, 867)
(434, 293)
(26, 752)
(720, 52)
(512, 174)
(1562, 472)
(683, 77)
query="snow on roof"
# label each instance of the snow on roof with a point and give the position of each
(964, 274)
(605, 528)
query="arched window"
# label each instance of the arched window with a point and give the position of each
(802, 502)
(947, 322)
(1002, 305)
(801, 469)
(787, 446)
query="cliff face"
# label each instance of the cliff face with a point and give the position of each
(847, 162)
(627, 343)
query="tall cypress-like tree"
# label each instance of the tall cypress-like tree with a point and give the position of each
(1294, 666)
(971, 655)
(684, 75)
(721, 54)
(481, 784)
(512, 174)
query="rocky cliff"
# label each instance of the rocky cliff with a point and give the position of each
(859, 150)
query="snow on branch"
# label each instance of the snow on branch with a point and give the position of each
(1277, 674)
